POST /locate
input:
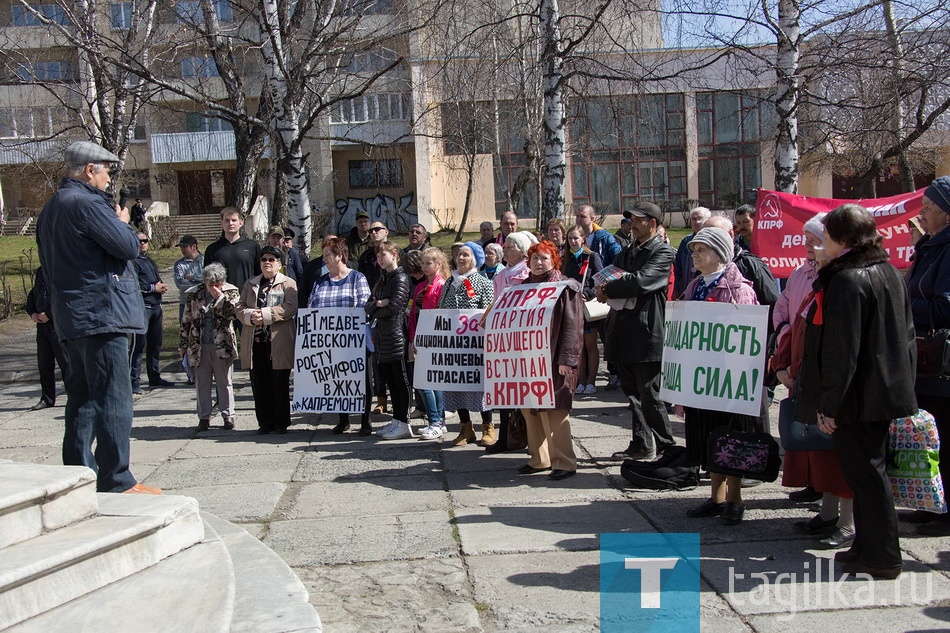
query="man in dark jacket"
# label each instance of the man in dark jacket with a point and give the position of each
(358, 239)
(48, 349)
(635, 331)
(152, 287)
(86, 245)
(240, 255)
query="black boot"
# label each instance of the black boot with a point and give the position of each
(500, 446)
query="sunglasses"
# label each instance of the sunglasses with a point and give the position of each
(143, 241)
(268, 260)
(377, 228)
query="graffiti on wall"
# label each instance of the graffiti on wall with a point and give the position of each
(396, 215)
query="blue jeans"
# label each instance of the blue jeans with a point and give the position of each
(435, 411)
(99, 407)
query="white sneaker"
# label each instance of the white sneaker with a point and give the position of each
(400, 431)
(386, 429)
(579, 391)
(590, 390)
(417, 414)
(432, 432)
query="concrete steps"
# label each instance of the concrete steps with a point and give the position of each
(75, 560)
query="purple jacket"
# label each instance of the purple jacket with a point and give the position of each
(732, 288)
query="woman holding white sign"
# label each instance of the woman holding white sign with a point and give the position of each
(549, 430)
(386, 310)
(435, 267)
(719, 280)
(581, 264)
(466, 289)
(342, 287)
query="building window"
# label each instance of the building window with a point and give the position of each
(393, 106)
(121, 14)
(205, 122)
(43, 71)
(628, 149)
(21, 123)
(375, 174)
(192, 67)
(730, 138)
(137, 182)
(189, 11)
(21, 16)
(366, 7)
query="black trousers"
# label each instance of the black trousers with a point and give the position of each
(151, 344)
(395, 378)
(271, 389)
(640, 382)
(862, 449)
(48, 353)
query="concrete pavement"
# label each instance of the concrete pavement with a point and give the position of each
(418, 536)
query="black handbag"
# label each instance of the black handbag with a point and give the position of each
(798, 436)
(933, 353)
(517, 431)
(741, 454)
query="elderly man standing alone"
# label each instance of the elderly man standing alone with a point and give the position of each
(86, 247)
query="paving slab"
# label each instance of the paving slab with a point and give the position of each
(431, 595)
(368, 498)
(335, 540)
(541, 591)
(184, 473)
(151, 452)
(926, 620)
(221, 443)
(391, 464)
(237, 502)
(544, 527)
(507, 487)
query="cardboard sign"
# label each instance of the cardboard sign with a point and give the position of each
(449, 351)
(330, 360)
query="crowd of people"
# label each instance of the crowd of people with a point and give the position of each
(846, 323)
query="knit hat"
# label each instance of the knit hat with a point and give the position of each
(716, 239)
(523, 240)
(477, 253)
(816, 226)
(939, 193)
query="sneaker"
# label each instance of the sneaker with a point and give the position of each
(590, 390)
(432, 432)
(417, 414)
(401, 430)
(387, 428)
(580, 390)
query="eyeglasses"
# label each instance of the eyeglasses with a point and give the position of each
(377, 228)
(267, 260)
(143, 241)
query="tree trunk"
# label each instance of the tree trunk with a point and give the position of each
(786, 98)
(555, 139)
(469, 186)
(248, 149)
(897, 111)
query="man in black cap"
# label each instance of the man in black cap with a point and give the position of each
(153, 288)
(138, 214)
(289, 235)
(86, 246)
(293, 268)
(188, 275)
(635, 330)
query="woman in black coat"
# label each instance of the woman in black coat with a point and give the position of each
(929, 287)
(858, 374)
(386, 309)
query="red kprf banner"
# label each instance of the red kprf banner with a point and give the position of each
(780, 219)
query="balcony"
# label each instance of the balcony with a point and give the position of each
(192, 147)
(374, 132)
(19, 152)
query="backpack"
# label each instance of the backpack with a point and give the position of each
(670, 472)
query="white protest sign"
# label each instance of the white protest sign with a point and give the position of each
(449, 350)
(330, 360)
(714, 355)
(518, 371)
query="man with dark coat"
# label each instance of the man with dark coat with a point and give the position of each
(86, 245)
(358, 239)
(48, 349)
(152, 287)
(635, 330)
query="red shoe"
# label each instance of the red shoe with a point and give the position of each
(142, 489)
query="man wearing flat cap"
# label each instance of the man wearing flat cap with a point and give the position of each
(635, 330)
(293, 268)
(188, 275)
(86, 248)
